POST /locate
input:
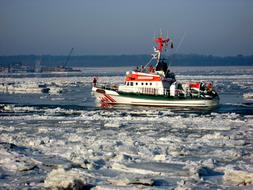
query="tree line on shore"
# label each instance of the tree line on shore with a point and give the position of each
(125, 60)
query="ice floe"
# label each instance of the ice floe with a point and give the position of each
(238, 177)
(68, 179)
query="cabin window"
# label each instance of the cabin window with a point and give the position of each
(136, 83)
(146, 84)
(142, 83)
(131, 83)
(127, 83)
(150, 84)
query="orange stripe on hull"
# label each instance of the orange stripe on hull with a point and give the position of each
(136, 77)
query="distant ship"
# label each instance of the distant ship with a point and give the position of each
(156, 86)
(59, 69)
(18, 88)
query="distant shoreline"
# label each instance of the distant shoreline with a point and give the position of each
(125, 60)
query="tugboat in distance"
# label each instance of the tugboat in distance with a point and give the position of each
(156, 86)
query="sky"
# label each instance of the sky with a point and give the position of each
(115, 27)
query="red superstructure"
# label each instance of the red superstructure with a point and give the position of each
(137, 76)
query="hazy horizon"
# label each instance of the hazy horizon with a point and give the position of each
(112, 27)
(112, 55)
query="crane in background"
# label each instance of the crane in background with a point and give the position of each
(68, 57)
(64, 67)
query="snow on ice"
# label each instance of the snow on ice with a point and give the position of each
(120, 148)
(110, 149)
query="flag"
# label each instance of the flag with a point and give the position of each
(195, 85)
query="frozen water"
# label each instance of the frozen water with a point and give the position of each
(68, 141)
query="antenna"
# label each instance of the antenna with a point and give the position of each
(181, 42)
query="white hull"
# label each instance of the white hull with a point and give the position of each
(112, 97)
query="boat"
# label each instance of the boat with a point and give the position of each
(156, 86)
(23, 88)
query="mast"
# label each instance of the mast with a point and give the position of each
(162, 45)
